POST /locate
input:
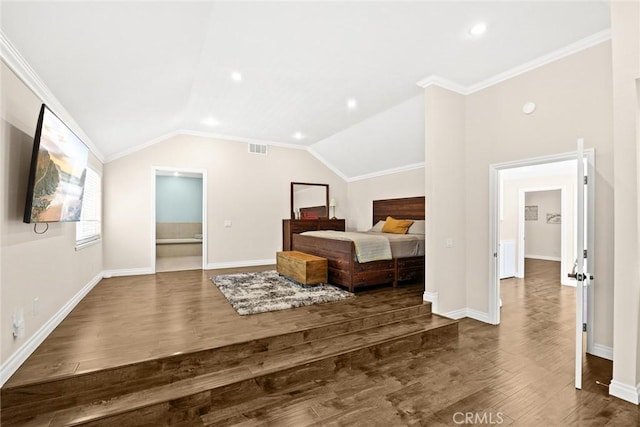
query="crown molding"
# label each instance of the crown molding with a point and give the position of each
(200, 134)
(391, 171)
(19, 65)
(434, 80)
(563, 52)
(242, 139)
(309, 149)
(140, 147)
(325, 162)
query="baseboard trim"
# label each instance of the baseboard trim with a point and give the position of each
(601, 351)
(456, 314)
(478, 315)
(431, 297)
(625, 391)
(11, 365)
(470, 313)
(127, 272)
(544, 257)
(237, 264)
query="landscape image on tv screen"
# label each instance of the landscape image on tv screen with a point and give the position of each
(60, 169)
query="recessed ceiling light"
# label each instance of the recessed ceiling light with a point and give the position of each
(236, 76)
(210, 121)
(352, 103)
(298, 135)
(478, 29)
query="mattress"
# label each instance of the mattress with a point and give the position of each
(402, 245)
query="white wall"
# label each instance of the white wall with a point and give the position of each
(388, 140)
(574, 99)
(445, 177)
(625, 28)
(542, 240)
(362, 193)
(250, 190)
(44, 266)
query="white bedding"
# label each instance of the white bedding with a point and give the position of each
(403, 245)
(373, 246)
(368, 247)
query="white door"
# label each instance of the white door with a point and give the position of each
(581, 273)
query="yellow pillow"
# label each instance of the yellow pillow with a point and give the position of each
(396, 226)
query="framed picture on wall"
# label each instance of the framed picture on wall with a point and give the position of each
(554, 218)
(531, 213)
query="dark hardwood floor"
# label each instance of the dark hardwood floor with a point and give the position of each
(517, 373)
(126, 320)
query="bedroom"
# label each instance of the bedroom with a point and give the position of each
(126, 247)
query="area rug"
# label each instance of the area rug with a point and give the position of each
(251, 293)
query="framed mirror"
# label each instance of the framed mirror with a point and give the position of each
(309, 201)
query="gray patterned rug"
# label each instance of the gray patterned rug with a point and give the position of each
(251, 293)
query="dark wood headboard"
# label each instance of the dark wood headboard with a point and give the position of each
(405, 208)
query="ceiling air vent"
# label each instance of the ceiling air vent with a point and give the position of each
(258, 149)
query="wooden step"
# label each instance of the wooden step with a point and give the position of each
(23, 399)
(184, 399)
(258, 375)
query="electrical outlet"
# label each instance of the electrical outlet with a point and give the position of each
(448, 243)
(227, 223)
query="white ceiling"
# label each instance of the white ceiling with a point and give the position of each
(130, 72)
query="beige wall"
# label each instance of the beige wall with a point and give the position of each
(250, 190)
(543, 239)
(445, 175)
(625, 27)
(509, 223)
(361, 194)
(573, 97)
(44, 266)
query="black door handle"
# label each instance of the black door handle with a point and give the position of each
(579, 276)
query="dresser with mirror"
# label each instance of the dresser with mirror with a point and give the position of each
(309, 212)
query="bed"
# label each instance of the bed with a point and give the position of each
(345, 270)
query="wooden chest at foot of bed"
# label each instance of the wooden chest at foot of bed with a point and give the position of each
(303, 268)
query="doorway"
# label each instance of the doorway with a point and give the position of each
(537, 202)
(545, 234)
(179, 225)
(497, 216)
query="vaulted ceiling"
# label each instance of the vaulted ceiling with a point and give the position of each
(131, 72)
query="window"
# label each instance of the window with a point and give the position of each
(88, 228)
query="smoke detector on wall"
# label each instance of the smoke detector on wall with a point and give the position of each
(529, 107)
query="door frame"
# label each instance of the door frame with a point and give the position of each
(494, 230)
(154, 173)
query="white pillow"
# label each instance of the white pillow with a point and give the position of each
(378, 227)
(418, 227)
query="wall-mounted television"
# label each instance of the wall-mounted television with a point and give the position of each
(57, 174)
